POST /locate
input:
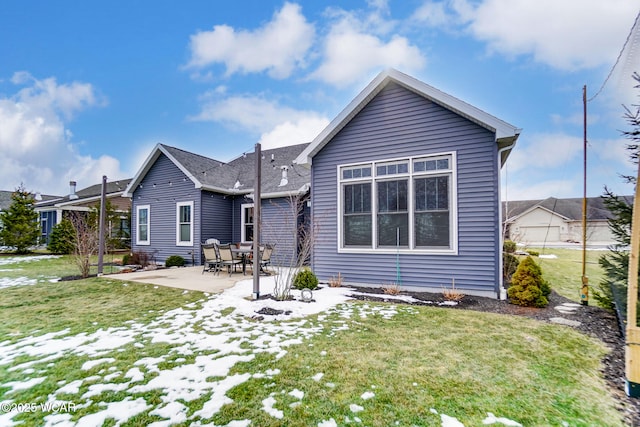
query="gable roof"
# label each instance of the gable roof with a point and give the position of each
(93, 192)
(506, 134)
(236, 176)
(569, 209)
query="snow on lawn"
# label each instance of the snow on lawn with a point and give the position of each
(6, 282)
(203, 347)
(19, 259)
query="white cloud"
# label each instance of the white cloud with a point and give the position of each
(351, 50)
(303, 130)
(567, 34)
(545, 151)
(37, 147)
(278, 47)
(528, 190)
(278, 125)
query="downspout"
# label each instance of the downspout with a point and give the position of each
(502, 290)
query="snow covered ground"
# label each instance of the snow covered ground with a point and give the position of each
(204, 345)
(6, 282)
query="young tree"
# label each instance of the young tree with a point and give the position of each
(19, 227)
(87, 241)
(616, 262)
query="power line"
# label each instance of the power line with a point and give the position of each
(633, 28)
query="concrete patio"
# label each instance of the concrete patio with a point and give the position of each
(190, 278)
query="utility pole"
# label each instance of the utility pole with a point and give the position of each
(584, 290)
(632, 345)
(256, 221)
(103, 210)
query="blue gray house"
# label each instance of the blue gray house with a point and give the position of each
(180, 199)
(405, 189)
(52, 209)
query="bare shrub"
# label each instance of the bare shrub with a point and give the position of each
(87, 241)
(452, 294)
(335, 281)
(392, 289)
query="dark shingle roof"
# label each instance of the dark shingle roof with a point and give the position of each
(570, 208)
(214, 174)
(88, 192)
(5, 198)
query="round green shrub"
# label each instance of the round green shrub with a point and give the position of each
(305, 279)
(528, 288)
(509, 246)
(174, 261)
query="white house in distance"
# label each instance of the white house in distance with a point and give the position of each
(555, 221)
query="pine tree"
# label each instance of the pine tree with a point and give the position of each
(616, 262)
(19, 223)
(63, 238)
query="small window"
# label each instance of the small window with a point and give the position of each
(142, 227)
(432, 164)
(247, 223)
(356, 172)
(392, 168)
(184, 224)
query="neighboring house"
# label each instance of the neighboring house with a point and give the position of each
(181, 199)
(53, 210)
(5, 198)
(558, 221)
(405, 189)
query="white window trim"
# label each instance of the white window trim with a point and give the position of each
(453, 207)
(178, 206)
(148, 241)
(243, 206)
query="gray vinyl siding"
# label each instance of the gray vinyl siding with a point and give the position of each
(398, 123)
(217, 215)
(155, 190)
(279, 228)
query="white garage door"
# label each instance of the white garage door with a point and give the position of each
(540, 234)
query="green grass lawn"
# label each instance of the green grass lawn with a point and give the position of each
(565, 272)
(416, 363)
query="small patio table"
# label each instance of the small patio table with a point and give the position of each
(243, 251)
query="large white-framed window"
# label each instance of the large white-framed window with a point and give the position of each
(184, 224)
(246, 217)
(143, 222)
(406, 205)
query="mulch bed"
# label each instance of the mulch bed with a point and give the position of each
(594, 321)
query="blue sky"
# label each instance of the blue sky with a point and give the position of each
(88, 88)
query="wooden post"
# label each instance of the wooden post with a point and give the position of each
(101, 226)
(256, 222)
(584, 290)
(632, 348)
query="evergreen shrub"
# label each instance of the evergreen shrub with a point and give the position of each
(528, 288)
(305, 279)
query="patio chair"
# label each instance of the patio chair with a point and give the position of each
(265, 257)
(211, 258)
(227, 258)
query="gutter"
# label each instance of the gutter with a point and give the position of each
(502, 291)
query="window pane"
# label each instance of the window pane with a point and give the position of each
(389, 226)
(357, 230)
(248, 233)
(185, 213)
(443, 164)
(185, 232)
(381, 170)
(432, 229)
(432, 193)
(357, 173)
(347, 174)
(357, 198)
(366, 172)
(403, 168)
(142, 233)
(392, 196)
(418, 166)
(143, 215)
